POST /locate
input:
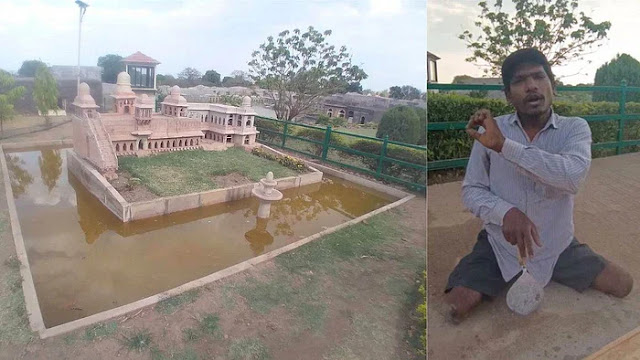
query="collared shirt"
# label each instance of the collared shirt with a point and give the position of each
(540, 177)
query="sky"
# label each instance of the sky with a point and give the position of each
(387, 38)
(446, 19)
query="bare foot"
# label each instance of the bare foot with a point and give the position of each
(461, 301)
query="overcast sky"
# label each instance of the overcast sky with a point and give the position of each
(386, 37)
(446, 19)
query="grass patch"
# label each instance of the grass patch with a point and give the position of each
(138, 341)
(12, 263)
(248, 349)
(191, 335)
(100, 331)
(304, 301)
(13, 312)
(171, 305)
(210, 325)
(350, 243)
(184, 172)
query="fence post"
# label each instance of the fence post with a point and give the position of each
(325, 144)
(621, 121)
(284, 133)
(383, 153)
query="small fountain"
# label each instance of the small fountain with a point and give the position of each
(267, 194)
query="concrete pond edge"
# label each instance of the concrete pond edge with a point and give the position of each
(31, 300)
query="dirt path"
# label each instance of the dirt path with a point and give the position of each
(568, 325)
(349, 295)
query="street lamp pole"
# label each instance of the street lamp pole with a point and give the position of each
(83, 8)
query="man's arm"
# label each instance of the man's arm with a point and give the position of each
(476, 192)
(565, 170)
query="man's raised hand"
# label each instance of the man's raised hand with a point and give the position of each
(492, 138)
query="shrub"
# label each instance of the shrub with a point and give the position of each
(395, 152)
(453, 144)
(400, 123)
(422, 115)
(333, 121)
(286, 161)
(422, 311)
(319, 135)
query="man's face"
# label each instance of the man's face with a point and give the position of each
(530, 91)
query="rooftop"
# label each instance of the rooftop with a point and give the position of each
(140, 58)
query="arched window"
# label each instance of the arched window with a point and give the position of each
(341, 113)
(180, 143)
(161, 144)
(230, 122)
(350, 113)
(239, 122)
(140, 145)
(248, 123)
(191, 142)
(362, 120)
(174, 144)
(117, 147)
(330, 112)
(131, 147)
(155, 144)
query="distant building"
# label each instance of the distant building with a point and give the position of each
(142, 70)
(432, 67)
(491, 94)
(358, 108)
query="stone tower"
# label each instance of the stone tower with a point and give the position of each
(124, 96)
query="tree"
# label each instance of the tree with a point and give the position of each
(237, 78)
(29, 68)
(552, 26)
(406, 92)
(401, 123)
(422, 116)
(212, 76)
(354, 87)
(9, 94)
(190, 75)
(622, 67)
(166, 80)
(50, 163)
(298, 68)
(45, 92)
(111, 66)
(19, 177)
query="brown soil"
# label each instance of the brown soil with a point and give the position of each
(130, 190)
(233, 179)
(366, 302)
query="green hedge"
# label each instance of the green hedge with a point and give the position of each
(454, 144)
(374, 147)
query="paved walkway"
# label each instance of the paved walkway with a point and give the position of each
(569, 325)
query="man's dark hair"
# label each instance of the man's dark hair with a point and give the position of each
(524, 56)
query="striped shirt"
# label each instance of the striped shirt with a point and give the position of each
(540, 177)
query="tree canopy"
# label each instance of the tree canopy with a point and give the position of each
(406, 92)
(29, 68)
(45, 92)
(622, 67)
(212, 76)
(9, 94)
(555, 27)
(298, 68)
(111, 66)
(401, 123)
(190, 74)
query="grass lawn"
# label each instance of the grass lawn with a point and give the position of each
(185, 172)
(357, 131)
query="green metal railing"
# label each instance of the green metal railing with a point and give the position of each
(622, 117)
(282, 133)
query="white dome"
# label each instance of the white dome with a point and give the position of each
(124, 79)
(175, 90)
(84, 98)
(246, 101)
